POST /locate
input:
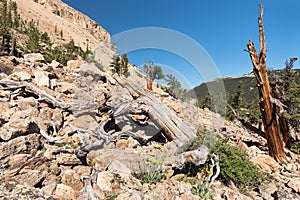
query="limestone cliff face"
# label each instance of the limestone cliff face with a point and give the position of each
(55, 17)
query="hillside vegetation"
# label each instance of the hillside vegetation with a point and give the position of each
(73, 127)
(231, 84)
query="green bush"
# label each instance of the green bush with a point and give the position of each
(236, 166)
(295, 147)
(112, 196)
(234, 162)
(120, 65)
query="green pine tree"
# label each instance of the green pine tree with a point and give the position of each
(174, 85)
(291, 95)
(120, 65)
(33, 42)
(4, 27)
(204, 102)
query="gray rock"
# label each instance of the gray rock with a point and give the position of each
(34, 57)
(197, 157)
(285, 195)
(13, 190)
(294, 183)
(22, 76)
(55, 64)
(32, 177)
(67, 159)
(64, 192)
(41, 78)
(26, 103)
(19, 144)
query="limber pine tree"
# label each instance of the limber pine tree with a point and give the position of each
(267, 104)
(120, 64)
(153, 72)
(174, 85)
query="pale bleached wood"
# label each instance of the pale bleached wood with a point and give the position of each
(271, 124)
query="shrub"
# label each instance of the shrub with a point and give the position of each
(234, 162)
(202, 190)
(295, 147)
(112, 196)
(187, 179)
(150, 172)
(236, 166)
(120, 65)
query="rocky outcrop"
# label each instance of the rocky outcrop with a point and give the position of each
(54, 144)
(56, 17)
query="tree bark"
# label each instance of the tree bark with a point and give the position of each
(268, 110)
(173, 127)
(285, 130)
(149, 81)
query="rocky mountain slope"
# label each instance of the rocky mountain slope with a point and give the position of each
(55, 17)
(54, 144)
(78, 132)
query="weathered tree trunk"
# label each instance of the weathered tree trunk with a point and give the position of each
(173, 127)
(149, 81)
(286, 136)
(13, 51)
(268, 111)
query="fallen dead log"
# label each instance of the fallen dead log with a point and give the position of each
(41, 93)
(172, 126)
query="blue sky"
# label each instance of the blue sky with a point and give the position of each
(222, 28)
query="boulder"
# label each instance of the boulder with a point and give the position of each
(55, 64)
(267, 190)
(17, 127)
(41, 78)
(32, 177)
(266, 163)
(67, 159)
(64, 192)
(82, 170)
(294, 183)
(65, 87)
(87, 122)
(106, 181)
(104, 157)
(18, 158)
(72, 65)
(285, 195)
(49, 188)
(20, 144)
(34, 57)
(26, 103)
(13, 190)
(21, 76)
(70, 178)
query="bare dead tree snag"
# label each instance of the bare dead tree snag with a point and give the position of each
(149, 82)
(267, 108)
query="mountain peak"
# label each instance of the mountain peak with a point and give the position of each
(63, 22)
